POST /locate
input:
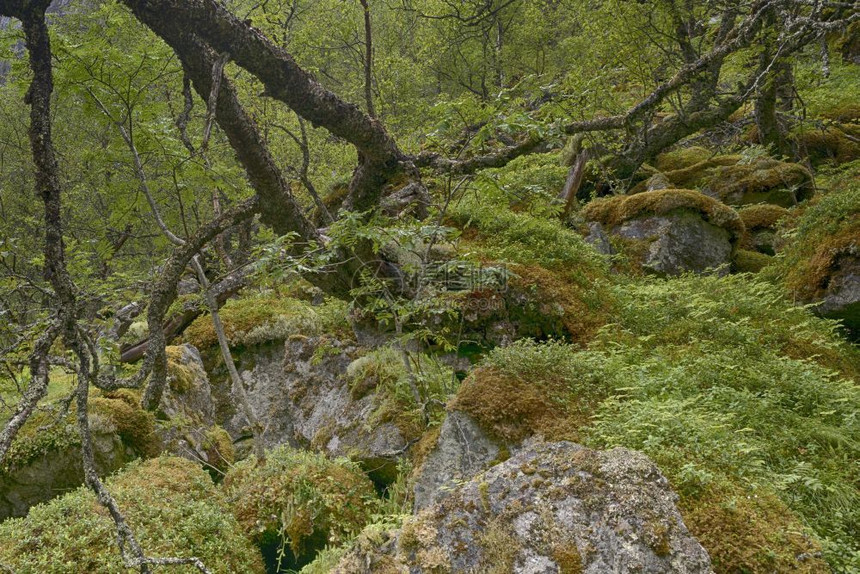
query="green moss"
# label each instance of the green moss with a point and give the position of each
(744, 261)
(761, 216)
(171, 505)
(300, 501)
(219, 449)
(46, 433)
(256, 320)
(836, 143)
(682, 158)
(135, 426)
(615, 210)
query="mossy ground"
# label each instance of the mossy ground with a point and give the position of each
(744, 401)
(170, 503)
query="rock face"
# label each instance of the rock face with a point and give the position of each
(842, 298)
(187, 410)
(462, 451)
(301, 395)
(58, 469)
(552, 508)
(678, 242)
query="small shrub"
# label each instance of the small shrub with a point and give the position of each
(298, 502)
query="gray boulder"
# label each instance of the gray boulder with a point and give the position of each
(678, 242)
(48, 464)
(187, 410)
(841, 299)
(552, 508)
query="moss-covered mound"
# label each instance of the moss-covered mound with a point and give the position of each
(682, 158)
(258, 319)
(761, 216)
(171, 505)
(557, 284)
(296, 502)
(736, 180)
(616, 210)
(746, 261)
(824, 238)
(45, 433)
(836, 143)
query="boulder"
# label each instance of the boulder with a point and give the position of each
(671, 231)
(186, 413)
(735, 180)
(551, 508)
(841, 298)
(45, 461)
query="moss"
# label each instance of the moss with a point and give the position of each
(836, 143)
(256, 320)
(691, 176)
(568, 559)
(512, 408)
(425, 446)
(682, 158)
(299, 500)
(744, 261)
(45, 432)
(764, 180)
(180, 376)
(499, 548)
(135, 426)
(171, 505)
(744, 533)
(616, 210)
(219, 449)
(762, 216)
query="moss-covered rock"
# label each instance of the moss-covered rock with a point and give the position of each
(171, 505)
(760, 224)
(682, 158)
(735, 180)
(295, 503)
(670, 231)
(821, 257)
(553, 507)
(45, 458)
(744, 261)
(835, 143)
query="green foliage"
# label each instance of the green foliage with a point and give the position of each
(299, 501)
(720, 381)
(172, 505)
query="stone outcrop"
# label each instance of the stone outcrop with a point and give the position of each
(550, 508)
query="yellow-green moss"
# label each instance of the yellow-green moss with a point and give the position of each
(682, 158)
(615, 210)
(300, 500)
(761, 181)
(180, 377)
(692, 175)
(255, 320)
(219, 449)
(744, 261)
(171, 505)
(761, 216)
(836, 143)
(135, 426)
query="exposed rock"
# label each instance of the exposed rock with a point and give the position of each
(671, 231)
(51, 467)
(187, 410)
(301, 395)
(679, 242)
(598, 239)
(462, 451)
(551, 508)
(841, 299)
